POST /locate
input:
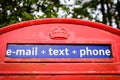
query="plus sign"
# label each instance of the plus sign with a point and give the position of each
(43, 51)
(74, 51)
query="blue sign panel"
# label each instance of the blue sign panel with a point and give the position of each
(58, 51)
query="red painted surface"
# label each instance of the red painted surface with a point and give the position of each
(60, 77)
(76, 32)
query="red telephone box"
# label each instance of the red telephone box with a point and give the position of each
(58, 48)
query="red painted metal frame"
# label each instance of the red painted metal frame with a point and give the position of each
(59, 20)
(74, 68)
(60, 77)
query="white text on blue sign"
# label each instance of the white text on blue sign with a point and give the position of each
(58, 51)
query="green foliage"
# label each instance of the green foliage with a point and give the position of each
(104, 11)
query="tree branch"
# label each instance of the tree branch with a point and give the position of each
(103, 12)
